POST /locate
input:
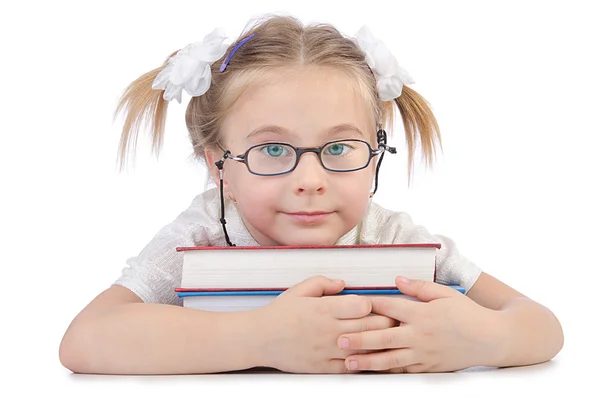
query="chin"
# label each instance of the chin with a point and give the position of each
(309, 238)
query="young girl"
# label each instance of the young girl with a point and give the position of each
(291, 122)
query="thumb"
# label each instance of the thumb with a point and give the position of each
(315, 287)
(425, 291)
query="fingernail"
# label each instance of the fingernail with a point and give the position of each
(344, 343)
(353, 365)
(403, 280)
(337, 281)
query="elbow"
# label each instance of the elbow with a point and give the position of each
(554, 335)
(72, 352)
(560, 336)
(542, 334)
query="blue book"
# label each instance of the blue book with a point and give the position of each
(182, 293)
(239, 300)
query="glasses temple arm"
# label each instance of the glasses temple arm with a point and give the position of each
(219, 165)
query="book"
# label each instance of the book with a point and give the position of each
(238, 300)
(283, 266)
(243, 277)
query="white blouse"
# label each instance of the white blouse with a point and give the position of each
(154, 274)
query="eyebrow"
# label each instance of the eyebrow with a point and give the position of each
(283, 131)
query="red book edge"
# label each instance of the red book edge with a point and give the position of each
(262, 247)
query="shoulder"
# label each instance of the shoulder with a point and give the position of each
(203, 208)
(385, 226)
(200, 219)
(155, 271)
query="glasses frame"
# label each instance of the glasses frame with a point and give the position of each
(318, 150)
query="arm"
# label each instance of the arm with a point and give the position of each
(119, 334)
(444, 330)
(527, 332)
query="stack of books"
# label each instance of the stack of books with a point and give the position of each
(245, 278)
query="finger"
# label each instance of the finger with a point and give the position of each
(416, 368)
(389, 338)
(398, 308)
(368, 323)
(425, 291)
(337, 366)
(398, 360)
(348, 306)
(315, 286)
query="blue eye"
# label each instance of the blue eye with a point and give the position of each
(273, 150)
(336, 149)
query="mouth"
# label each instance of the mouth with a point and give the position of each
(309, 217)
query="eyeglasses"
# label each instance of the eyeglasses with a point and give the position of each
(278, 158)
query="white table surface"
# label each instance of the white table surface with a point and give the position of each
(553, 378)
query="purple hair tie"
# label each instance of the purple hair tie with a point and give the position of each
(238, 45)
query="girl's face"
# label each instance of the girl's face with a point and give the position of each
(304, 108)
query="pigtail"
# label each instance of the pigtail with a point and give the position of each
(419, 122)
(142, 105)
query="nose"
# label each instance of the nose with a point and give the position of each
(309, 176)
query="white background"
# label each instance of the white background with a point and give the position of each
(514, 86)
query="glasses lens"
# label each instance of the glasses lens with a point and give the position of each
(271, 158)
(345, 155)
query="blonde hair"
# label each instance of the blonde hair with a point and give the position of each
(279, 41)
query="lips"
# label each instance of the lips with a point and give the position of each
(309, 217)
(309, 213)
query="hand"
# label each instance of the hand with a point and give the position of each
(443, 330)
(301, 326)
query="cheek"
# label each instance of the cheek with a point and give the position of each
(238, 179)
(355, 186)
(352, 196)
(252, 190)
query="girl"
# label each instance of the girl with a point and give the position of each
(290, 122)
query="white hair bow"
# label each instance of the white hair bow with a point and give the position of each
(388, 73)
(189, 69)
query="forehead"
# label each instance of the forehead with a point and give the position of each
(305, 102)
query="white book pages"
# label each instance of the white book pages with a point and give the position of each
(282, 268)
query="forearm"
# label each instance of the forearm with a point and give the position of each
(529, 333)
(140, 338)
